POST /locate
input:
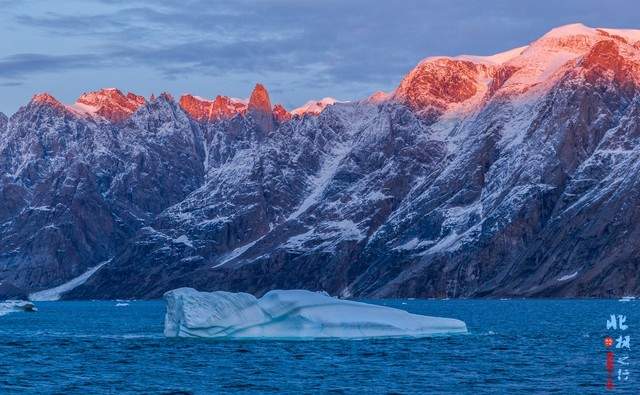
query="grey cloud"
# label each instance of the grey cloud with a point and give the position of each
(20, 65)
(11, 83)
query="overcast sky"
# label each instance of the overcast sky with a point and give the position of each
(299, 50)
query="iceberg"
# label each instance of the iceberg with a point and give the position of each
(10, 306)
(293, 315)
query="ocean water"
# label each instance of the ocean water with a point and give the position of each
(514, 346)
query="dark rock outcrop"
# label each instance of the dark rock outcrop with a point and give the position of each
(10, 291)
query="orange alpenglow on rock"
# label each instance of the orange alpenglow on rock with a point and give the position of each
(110, 103)
(260, 108)
(605, 61)
(280, 113)
(259, 100)
(222, 107)
(45, 98)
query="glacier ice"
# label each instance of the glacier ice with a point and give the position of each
(291, 314)
(11, 306)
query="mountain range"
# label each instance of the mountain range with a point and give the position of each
(515, 174)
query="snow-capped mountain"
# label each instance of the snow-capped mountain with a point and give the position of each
(511, 174)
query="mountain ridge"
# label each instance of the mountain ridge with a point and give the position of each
(478, 176)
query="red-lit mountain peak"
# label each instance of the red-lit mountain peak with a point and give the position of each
(110, 103)
(260, 110)
(436, 83)
(280, 113)
(196, 107)
(222, 107)
(47, 99)
(259, 100)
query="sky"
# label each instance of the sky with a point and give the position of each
(300, 50)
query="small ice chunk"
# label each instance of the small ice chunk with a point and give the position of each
(11, 306)
(627, 299)
(292, 314)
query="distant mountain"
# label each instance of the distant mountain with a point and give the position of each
(507, 175)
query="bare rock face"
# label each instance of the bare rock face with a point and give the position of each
(260, 108)
(10, 291)
(439, 82)
(3, 122)
(507, 175)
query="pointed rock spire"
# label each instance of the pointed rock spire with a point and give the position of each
(259, 100)
(260, 108)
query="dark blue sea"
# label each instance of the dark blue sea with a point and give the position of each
(514, 346)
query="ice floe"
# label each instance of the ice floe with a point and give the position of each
(11, 306)
(292, 314)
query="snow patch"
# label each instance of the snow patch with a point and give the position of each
(322, 180)
(57, 292)
(236, 253)
(184, 240)
(315, 107)
(568, 276)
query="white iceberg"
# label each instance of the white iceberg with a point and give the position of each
(11, 306)
(293, 314)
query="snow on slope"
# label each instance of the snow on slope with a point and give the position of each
(314, 107)
(57, 292)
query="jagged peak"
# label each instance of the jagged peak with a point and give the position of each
(225, 107)
(45, 98)
(109, 103)
(166, 96)
(222, 107)
(280, 113)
